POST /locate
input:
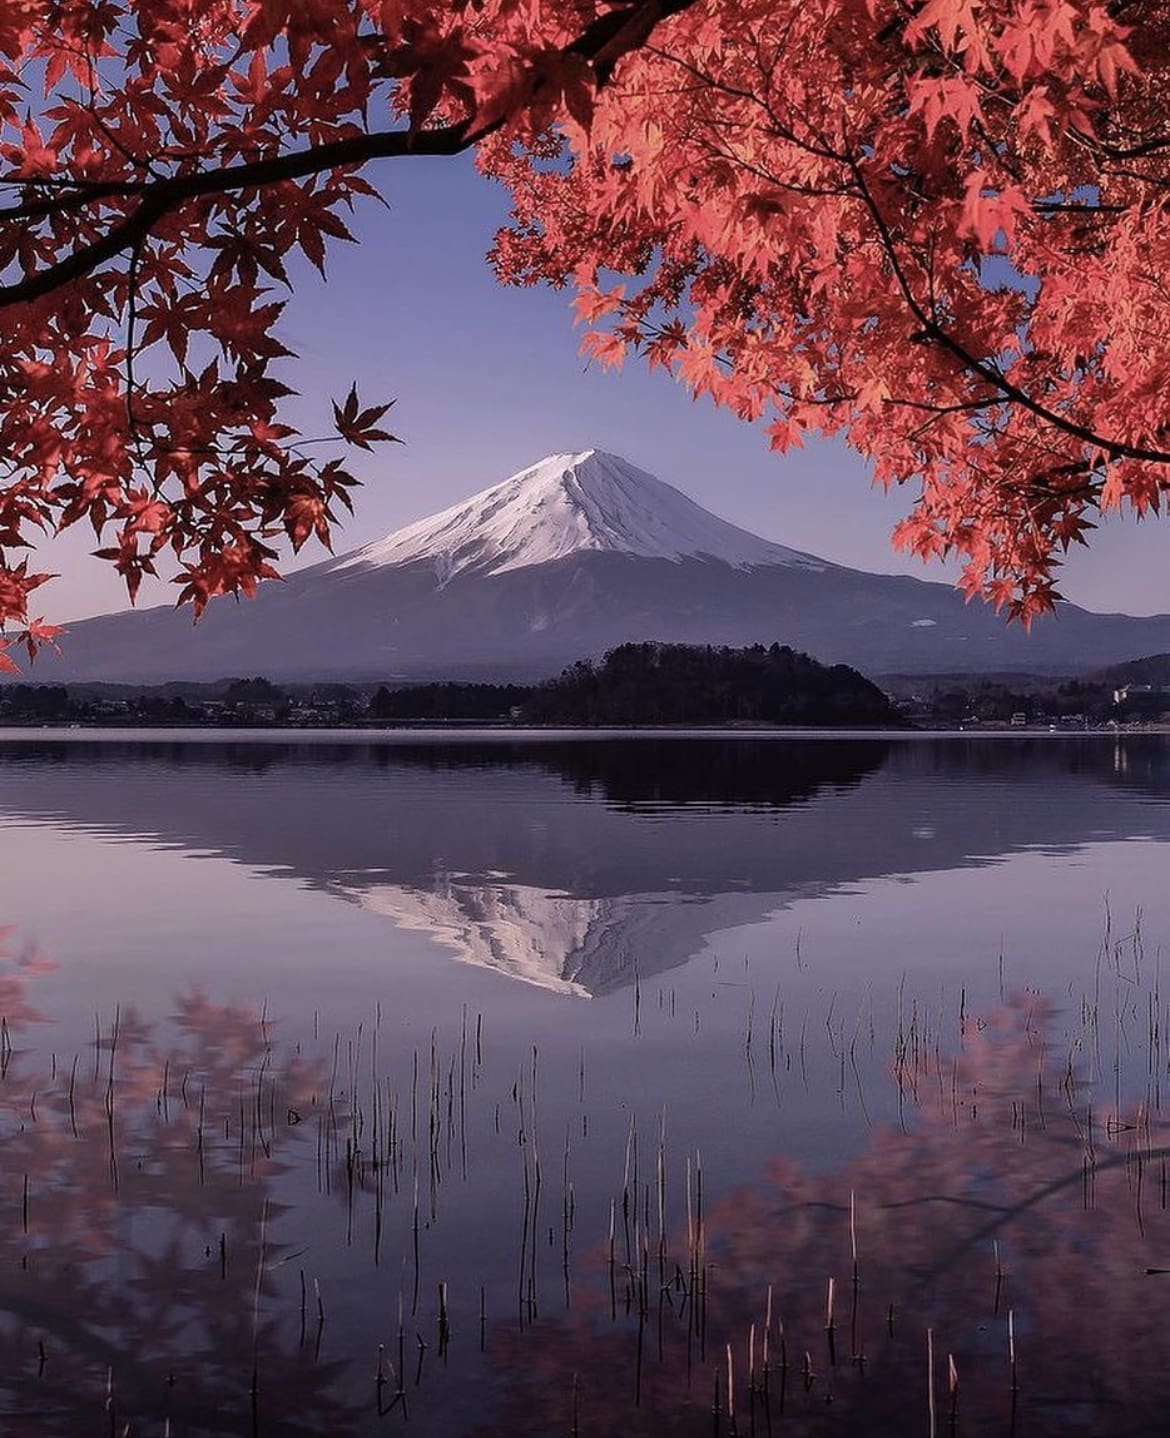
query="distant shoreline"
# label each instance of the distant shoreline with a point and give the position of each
(455, 732)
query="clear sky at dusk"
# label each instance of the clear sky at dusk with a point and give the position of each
(488, 379)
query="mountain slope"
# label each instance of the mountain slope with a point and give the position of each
(563, 561)
(591, 502)
(1148, 669)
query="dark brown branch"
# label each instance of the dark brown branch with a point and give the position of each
(931, 330)
(1057, 207)
(1133, 152)
(161, 197)
(603, 43)
(962, 407)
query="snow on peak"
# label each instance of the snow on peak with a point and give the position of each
(563, 505)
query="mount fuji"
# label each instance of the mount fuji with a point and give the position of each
(564, 560)
(572, 504)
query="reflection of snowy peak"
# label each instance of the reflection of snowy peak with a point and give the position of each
(566, 504)
(516, 930)
(567, 944)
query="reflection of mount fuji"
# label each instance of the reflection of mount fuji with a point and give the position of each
(569, 945)
(576, 864)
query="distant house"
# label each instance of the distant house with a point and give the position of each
(1019, 719)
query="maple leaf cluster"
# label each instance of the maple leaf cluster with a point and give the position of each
(140, 305)
(937, 230)
(162, 163)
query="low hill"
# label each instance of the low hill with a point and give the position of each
(1152, 669)
(701, 684)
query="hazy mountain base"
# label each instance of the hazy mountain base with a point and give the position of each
(399, 623)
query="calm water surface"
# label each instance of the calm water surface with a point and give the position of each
(547, 1085)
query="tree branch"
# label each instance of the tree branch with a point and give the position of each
(603, 43)
(932, 330)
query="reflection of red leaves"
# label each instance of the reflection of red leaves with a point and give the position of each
(27, 960)
(999, 1158)
(34, 960)
(156, 1301)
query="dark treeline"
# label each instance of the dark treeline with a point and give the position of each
(234, 702)
(484, 703)
(635, 684)
(703, 684)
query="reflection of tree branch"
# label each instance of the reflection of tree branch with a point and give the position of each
(813, 1205)
(931, 329)
(1075, 1279)
(944, 1198)
(1010, 1212)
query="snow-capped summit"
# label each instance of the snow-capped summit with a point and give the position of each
(566, 504)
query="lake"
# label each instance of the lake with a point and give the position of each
(486, 1084)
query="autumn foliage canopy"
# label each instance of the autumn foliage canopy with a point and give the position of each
(938, 229)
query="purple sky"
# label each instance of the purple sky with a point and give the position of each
(487, 380)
